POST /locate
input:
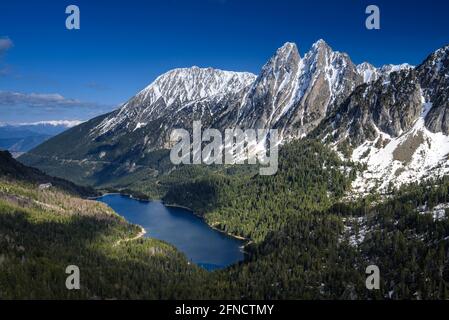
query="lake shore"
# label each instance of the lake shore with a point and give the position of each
(198, 240)
(174, 205)
(103, 195)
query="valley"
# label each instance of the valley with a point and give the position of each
(42, 232)
(361, 180)
(319, 250)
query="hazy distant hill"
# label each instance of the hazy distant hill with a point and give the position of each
(20, 138)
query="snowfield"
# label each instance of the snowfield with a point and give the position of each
(426, 156)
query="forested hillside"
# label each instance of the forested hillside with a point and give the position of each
(310, 178)
(44, 231)
(318, 248)
(323, 255)
(12, 169)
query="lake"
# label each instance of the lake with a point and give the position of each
(201, 244)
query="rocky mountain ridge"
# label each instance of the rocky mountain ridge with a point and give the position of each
(321, 95)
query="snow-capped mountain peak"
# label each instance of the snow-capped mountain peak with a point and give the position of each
(54, 123)
(370, 73)
(320, 45)
(172, 91)
(389, 68)
(286, 58)
(189, 84)
(292, 91)
(286, 49)
(274, 88)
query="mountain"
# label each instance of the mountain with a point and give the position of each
(174, 100)
(290, 93)
(395, 125)
(370, 73)
(366, 129)
(20, 138)
(434, 78)
(393, 119)
(294, 94)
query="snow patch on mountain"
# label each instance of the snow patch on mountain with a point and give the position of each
(54, 123)
(139, 125)
(438, 212)
(370, 73)
(416, 155)
(190, 84)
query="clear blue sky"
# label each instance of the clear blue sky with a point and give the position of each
(123, 45)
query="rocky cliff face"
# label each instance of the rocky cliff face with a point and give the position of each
(274, 90)
(390, 105)
(328, 78)
(396, 125)
(294, 94)
(434, 78)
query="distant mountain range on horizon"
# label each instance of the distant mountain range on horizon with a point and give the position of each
(22, 137)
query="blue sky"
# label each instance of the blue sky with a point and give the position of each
(50, 73)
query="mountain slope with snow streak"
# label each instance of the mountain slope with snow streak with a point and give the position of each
(173, 91)
(414, 156)
(294, 94)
